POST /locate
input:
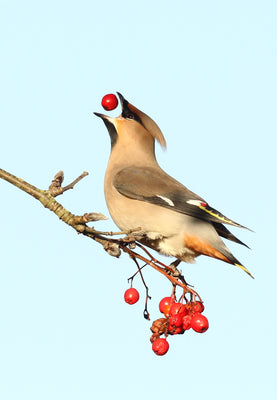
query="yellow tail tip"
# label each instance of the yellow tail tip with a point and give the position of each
(245, 269)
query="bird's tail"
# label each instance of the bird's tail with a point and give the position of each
(244, 269)
(234, 261)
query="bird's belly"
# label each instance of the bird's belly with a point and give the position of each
(155, 221)
(163, 229)
(172, 246)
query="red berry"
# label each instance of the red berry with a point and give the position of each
(175, 330)
(160, 346)
(176, 320)
(197, 307)
(166, 310)
(187, 322)
(199, 323)
(188, 307)
(178, 308)
(165, 302)
(109, 102)
(171, 329)
(131, 296)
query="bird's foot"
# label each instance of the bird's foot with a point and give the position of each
(175, 272)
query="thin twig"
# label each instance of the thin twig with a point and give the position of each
(56, 189)
(127, 232)
(132, 277)
(145, 312)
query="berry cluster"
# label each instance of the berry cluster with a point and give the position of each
(179, 317)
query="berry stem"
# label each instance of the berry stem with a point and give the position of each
(145, 312)
(162, 268)
(132, 277)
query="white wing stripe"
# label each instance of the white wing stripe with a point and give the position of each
(168, 201)
(194, 202)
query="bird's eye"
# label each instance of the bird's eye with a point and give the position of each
(130, 116)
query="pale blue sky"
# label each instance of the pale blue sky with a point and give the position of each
(206, 72)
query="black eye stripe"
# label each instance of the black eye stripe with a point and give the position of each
(129, 115)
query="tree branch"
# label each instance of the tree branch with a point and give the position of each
(79, 223)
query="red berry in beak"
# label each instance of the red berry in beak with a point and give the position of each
(109, 102)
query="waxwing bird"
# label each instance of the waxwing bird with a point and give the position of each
(173, 220)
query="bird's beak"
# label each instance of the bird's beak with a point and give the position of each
(124, 103)
(108, 121)
(122, 100)
(103, 116)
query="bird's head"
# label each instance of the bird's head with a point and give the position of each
(132, 127)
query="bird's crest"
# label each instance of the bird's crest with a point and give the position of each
(144, 119)
(150, 125)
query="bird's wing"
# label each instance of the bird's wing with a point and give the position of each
(154, 186)
(225, 233)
